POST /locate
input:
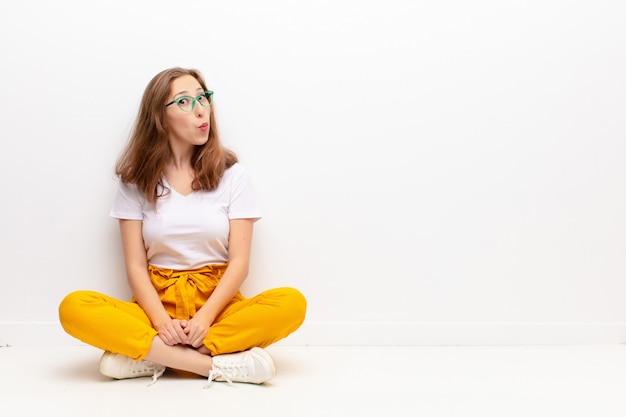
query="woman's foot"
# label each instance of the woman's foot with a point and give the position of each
(119, 366)
(254, 366)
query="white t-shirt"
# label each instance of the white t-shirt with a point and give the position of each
(189, 232)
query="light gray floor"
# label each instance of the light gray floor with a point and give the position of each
(529, 381)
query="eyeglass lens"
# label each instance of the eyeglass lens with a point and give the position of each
(188, 103)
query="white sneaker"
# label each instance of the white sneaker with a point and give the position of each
(254, 366)
(119, 366)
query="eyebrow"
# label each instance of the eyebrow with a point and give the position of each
(185, 92)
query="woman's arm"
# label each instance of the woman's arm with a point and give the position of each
(146, 295)
(239, 245)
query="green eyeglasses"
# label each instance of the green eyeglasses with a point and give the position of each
(187, 103)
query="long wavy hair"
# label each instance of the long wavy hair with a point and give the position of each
(143, 160)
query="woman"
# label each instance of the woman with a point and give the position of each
(186, 211)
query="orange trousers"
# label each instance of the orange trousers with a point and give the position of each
(123, 327)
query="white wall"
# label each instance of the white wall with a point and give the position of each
(446, 172)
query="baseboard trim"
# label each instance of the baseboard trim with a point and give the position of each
(458, 333)
(317, 333)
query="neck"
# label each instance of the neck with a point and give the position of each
(181, 157)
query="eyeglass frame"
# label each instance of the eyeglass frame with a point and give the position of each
(193, 100)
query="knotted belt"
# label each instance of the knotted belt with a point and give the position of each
(182, 291)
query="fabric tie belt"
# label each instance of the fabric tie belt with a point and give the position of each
(182, 291)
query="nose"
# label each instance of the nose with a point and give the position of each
(199, 109)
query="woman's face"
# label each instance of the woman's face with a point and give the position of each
(189, 128)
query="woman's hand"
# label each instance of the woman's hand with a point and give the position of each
(173, 333)
(196, 331)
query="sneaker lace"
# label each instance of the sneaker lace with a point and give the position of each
(157, 371)
(216, 372)
(226, 371)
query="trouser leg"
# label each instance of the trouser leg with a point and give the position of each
(107, 323)
(258, 321)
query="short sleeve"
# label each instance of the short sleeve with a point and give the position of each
(243, 202)
(128, 203)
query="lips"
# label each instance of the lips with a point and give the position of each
(204, 127)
